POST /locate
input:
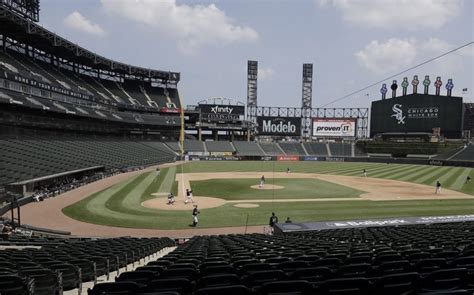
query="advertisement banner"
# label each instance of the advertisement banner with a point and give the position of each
(220, 158)
(283, 126)
(333, 127)
(267, 158)
(46, 86)
(331, 159)
(221, 153)
(418, 113)
(310, 158)
(288, 158)
(198, 153)
(215, 112)
(170, 111)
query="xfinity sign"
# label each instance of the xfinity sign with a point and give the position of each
(220, 110)
(279, 126)
(215, 113)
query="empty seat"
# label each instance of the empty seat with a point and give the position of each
(312, 274)
(15, 285)
(218, 280)
(180, 285)
(445, 279)
(227, 290)
(46, 282)
(119, 288)
(257, 278)
(138, 276)
(296, 287)
(352, 286)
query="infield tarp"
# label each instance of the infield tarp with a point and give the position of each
(309, 226)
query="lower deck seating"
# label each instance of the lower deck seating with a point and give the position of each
(418, 259)
(193, 146)
(34, 157)
(270, 148)
(341, 149)
(219, 146)
(248, 148)
(467, 154)
(58, 264)
(292, 148)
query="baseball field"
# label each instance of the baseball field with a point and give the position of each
(228, 194)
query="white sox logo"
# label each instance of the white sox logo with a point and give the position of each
(398, 113)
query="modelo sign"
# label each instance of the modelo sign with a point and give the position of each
(285, 126)
(324, 127)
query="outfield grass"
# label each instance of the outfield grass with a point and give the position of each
(240, 189)
(120, 205)
(451, 177)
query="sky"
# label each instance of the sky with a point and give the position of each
(351, 43)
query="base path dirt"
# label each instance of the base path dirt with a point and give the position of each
(377, 189)
(48, 214)
(180, 205)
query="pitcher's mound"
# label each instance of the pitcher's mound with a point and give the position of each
(202, 202)
(268, 186)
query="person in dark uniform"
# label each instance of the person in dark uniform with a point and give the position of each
(468, 179)
(273, 220)
(171, 199)
(189, 196)
(288, 220)
(195, 216)
(438, 187)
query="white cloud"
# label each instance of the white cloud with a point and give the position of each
(398, 54)
(396, 14)
(192, 25)
(387, 57)
(78, 22)
(265, 73)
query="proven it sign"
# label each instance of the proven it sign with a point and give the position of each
(282, 126)
(324, 127)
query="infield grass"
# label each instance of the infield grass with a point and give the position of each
(120, 205)
(240, 189)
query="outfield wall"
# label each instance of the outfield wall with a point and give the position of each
(290, 158)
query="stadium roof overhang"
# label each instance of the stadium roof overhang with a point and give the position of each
(25, 31)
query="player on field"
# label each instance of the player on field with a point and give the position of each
(262, 181)
(438, 187)
(189, 196)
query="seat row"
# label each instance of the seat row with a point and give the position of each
(66, 263)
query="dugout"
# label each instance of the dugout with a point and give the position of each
(27, 186)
